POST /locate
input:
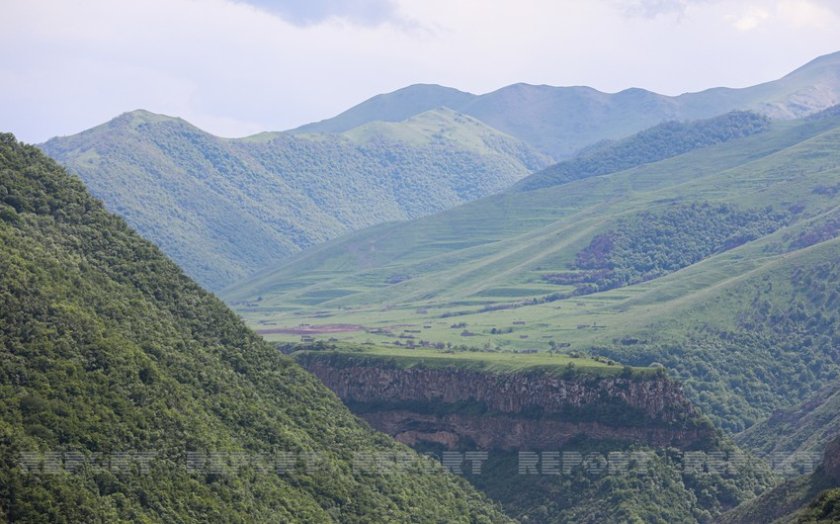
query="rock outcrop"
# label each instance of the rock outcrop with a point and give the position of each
(460, 408)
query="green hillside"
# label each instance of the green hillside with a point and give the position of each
(664, 262)
(559, 121)
(663, 141)
(224, 208)
(808, 499)
(108, 348)
(400, 105)
(805, 428)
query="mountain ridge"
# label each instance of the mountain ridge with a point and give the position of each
(224, 208)
(560, 120)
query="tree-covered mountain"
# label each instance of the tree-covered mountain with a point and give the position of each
(808, 499)
(719, 263)
(651, 145)
(223, 208)
(108, 351)
(559, 121)
(805, 428)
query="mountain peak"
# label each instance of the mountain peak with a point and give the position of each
(143, 116)
(395, 106)
(821, 62)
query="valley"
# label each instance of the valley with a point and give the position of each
(539, 304)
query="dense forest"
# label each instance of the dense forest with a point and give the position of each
(107, 348)
(657, 143)
(651, 244)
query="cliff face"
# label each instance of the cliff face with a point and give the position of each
(465, 408)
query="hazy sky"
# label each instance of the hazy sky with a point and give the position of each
(236, 67)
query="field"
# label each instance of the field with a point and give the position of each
(712, 263)
(493, 362)
(426, 282)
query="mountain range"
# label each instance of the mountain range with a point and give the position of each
(226, 208)
(559, 121)
(431, 241)
(664, 262)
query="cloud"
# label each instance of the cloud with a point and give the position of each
(805, 13)
(309, 12)
(654, 8)
(749, 19)
(234, 67)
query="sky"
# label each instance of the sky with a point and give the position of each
(238, 67)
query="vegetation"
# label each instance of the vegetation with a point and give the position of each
(735, 299)
(223, 209)
(561, 121)
(657, 143)
(639, 485)
(106, 347)
(652, 244)
(805, 428)
(811, 498)
(491, 362)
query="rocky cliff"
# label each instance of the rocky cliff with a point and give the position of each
(539, 409)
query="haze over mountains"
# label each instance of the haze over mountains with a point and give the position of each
(535, 267)
(224, 208)
(670, 257)
(559, 121)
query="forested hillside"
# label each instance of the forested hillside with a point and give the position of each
(657, 143)
(223, 209)
(809, 499)
(106, 348)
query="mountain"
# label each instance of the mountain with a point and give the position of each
(397, 106)
(224, 208)
(718, 263)
(130, 394)
(559, 121)
(662, 141)
(808, 499)
(805, 428)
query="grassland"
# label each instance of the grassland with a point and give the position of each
(491, 362)
(224, 208)
(480, 275)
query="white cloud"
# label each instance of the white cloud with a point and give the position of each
(233, 69)
(804, 14)
(308, 12)
(748, 19)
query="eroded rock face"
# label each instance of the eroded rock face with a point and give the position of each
(459, 408)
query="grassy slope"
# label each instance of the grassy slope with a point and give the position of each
(806, 427)
(559, 121)
(392, 107)
(504, 362)
(437, 273)
(105, 346)
(224, 208)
